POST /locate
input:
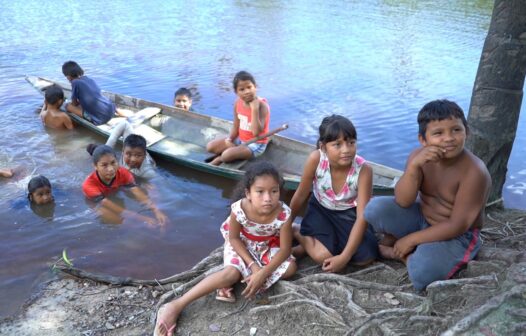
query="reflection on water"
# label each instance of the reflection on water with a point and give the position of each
(376, 62)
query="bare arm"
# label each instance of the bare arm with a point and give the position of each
(259, 113)
(235, 127)
(144, 199)
(67, 122)
(305, 186)
(469, 202)
(365, 190)
(235, 240)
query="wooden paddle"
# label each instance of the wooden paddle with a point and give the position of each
(255, 139)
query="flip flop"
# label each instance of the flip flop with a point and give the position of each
(226, 295)
(162, 323)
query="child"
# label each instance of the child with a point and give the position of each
(257, 246)
(51, 115)
(134, 157)
(432, 223)
(334, 231)
(39, 190)
(86, 98)
(251, 118)
(183, 99)
(107, 178)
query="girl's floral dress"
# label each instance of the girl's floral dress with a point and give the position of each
(322, 184)
(263, 249)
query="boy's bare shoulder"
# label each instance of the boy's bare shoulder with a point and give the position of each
(474, 165)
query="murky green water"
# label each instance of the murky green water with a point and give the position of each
(377, 62)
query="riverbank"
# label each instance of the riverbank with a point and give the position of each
(486, 298)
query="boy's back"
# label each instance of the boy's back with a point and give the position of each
(87, 92)
(58, 119)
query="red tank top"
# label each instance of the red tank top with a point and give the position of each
(244, 113)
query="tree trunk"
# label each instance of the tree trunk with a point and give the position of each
(497, 93)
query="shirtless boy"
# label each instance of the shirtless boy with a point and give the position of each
(51, 114)
(432, 223)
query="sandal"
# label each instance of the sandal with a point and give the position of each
(159, 323)
(225, 294)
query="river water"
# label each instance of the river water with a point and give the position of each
(376, 62)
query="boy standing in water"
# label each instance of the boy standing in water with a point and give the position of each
(51, 114)
(432, 223)
(87, 100)
(183, 99)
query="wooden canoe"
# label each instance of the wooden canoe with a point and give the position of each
(180, 136)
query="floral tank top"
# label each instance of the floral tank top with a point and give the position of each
(322, 185)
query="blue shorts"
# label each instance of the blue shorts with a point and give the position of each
(429, 262)
(333, 227)
(256, 148)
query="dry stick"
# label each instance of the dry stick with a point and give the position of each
(255, 139)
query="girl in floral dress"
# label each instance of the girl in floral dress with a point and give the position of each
(333, 231)
(258, 237)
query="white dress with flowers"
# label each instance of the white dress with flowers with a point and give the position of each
(262, 250)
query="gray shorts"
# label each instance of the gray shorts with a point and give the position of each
(429, 262)
(256, 148)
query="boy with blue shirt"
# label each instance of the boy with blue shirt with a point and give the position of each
(86, 98)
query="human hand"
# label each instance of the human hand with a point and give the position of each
(229, 141)
(160, 216)
(334, 264)
(254, 281)
(428, 154)
(254, 104)
(404, 246)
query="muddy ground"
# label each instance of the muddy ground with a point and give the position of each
(487, 298)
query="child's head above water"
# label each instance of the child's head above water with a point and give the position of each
(72, 70)
(54, 95)
(105, 162)
(39, 190)
(134, 150)
(439, 110)
(334, 127)
(183, 99)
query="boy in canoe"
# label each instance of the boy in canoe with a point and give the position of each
(87, 100)
(51, 114)
(432, 223)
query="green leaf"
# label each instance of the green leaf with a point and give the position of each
(65, 258)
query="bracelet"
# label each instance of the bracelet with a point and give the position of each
(252, 263)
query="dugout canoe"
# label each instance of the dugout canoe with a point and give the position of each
(180, 136)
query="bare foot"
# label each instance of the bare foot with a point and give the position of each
(387, 252)
(6, 172)
(298, 251)
(167, 318)
(217, 161)
(388, 240)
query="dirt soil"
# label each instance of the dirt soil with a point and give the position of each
(487, 298)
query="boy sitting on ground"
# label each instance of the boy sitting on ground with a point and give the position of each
(432, 223)
(51, 114)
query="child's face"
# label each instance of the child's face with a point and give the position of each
(107, 167)
(246, 90)
(182, 102)
(448, 134)
(133, 156)
(264, 194)
(42, 195)
(340, 152)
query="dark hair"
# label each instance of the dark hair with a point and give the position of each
(254, 171)
(438, 110)
(100, 150)
(135, 141)
(36, 183)
(183, 92)
(242, 76)
(72, 69)
(332, 127)
(54, 94)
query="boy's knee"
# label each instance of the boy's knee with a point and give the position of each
(374, 208)
(422, 274)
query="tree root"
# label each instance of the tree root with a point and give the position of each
(348, 281)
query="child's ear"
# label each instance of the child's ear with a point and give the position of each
(247, 194)
(422, 140)
(322, 146)
(30, 197)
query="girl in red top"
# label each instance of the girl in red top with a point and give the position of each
(251, 118)
(107, 178)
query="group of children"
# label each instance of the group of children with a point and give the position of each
(432, 222)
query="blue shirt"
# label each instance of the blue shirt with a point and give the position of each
(99, 108)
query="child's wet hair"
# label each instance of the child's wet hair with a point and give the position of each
(72, 69)
(255, 170)
(36, 183)
(438, 110)
(135, 141)
(183, 92)
(53, 94)
(243, 76)
(334, 126)
(99, 151)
